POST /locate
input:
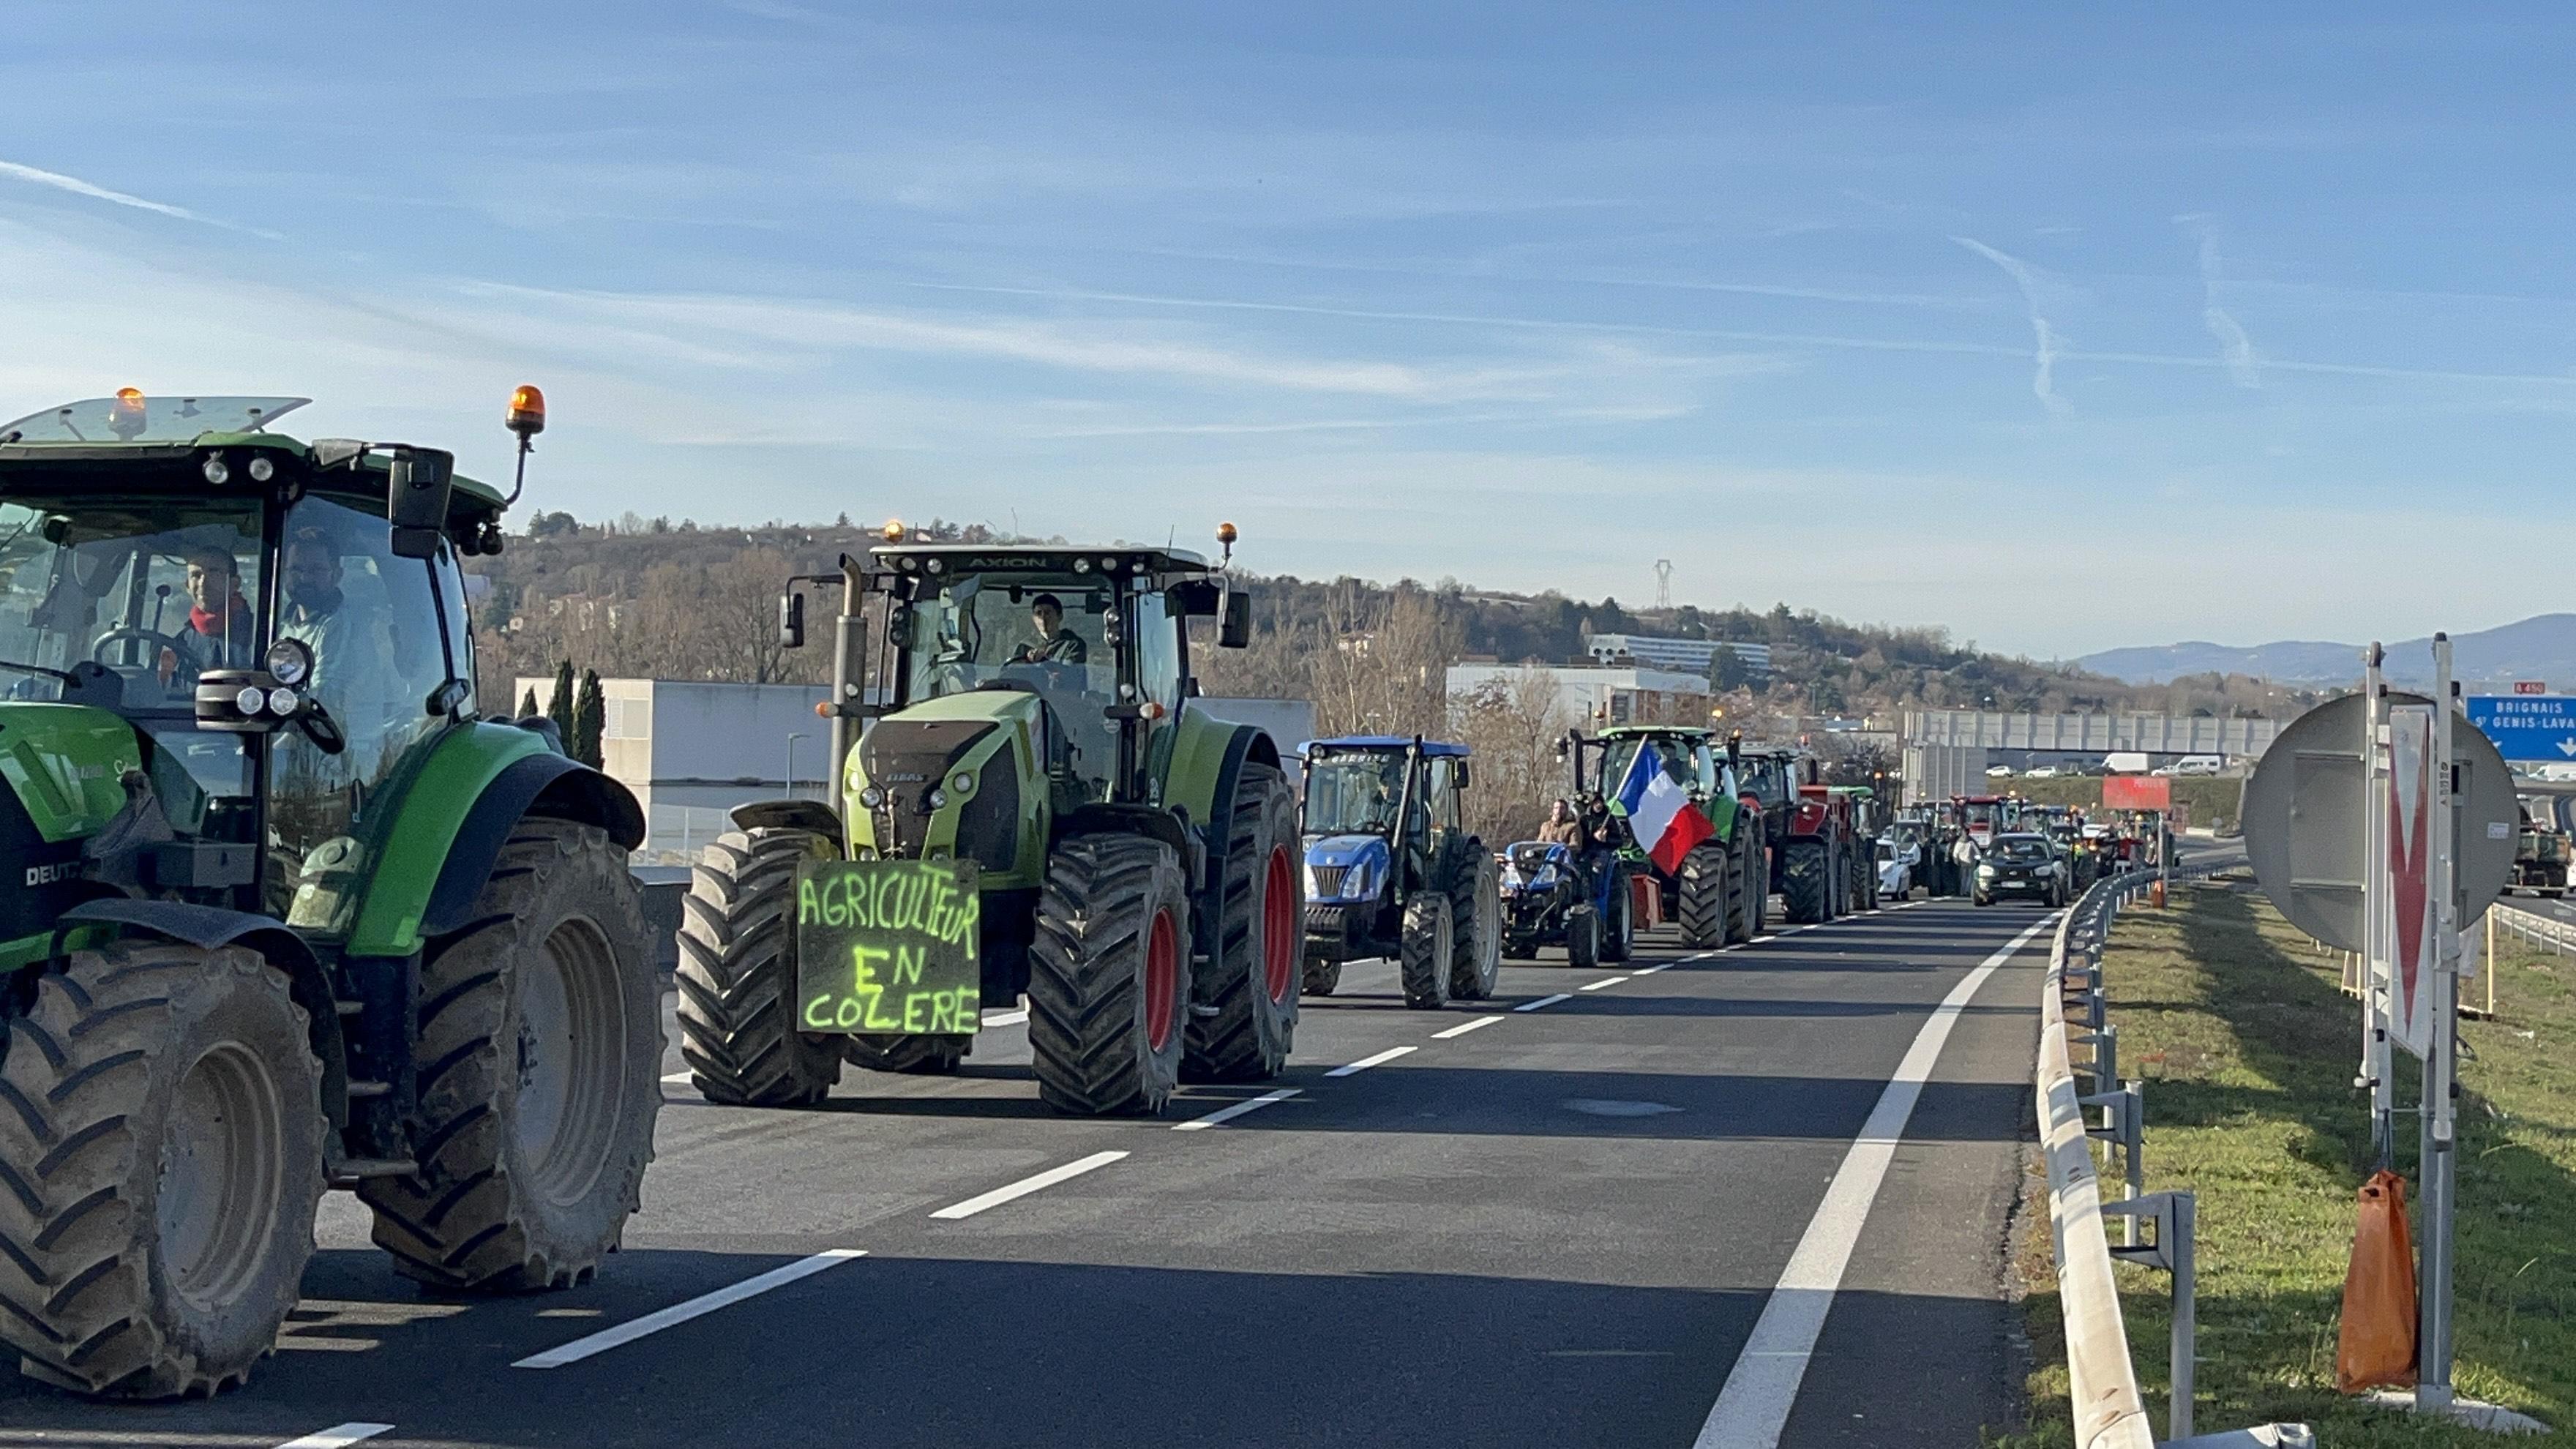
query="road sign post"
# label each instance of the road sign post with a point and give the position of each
(2377, 1072)
(2433, 1391)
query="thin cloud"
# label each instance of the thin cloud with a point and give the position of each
(2043, 379)
(96, 192)
(2235, 349)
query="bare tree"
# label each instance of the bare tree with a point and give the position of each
(1511, 727)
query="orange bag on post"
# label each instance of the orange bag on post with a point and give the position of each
(2377, 1346)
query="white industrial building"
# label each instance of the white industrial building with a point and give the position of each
(1690, 655)
(693, 749)
(1589, 697)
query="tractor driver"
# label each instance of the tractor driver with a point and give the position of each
(348, 660)
(1055, 644)
(1601, 833)
(1561, 827)
(221, 632)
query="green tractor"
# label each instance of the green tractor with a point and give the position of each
(1036, 805)
(1718, 894)
(283, 913)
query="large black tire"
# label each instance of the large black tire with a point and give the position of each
(1476, 926)
(539, 1062)
(1806, 882)
(737, 975)
(1583, 938)
(931, 1054)
(1425, 950)
(1321, 978)
(159, 1169)
(1109, 976)
(1619, 927)
(1706, 897)
(1258, 974)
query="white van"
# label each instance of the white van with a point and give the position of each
(2200, 765)
(2126, 762)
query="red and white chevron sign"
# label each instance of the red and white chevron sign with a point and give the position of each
(2405, 877)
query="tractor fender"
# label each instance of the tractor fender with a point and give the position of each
(209, 927)
(1242, 743)
(544, 784)
(811, 815)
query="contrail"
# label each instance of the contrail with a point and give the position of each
(2235, 349)
(95, 192)
(2043, 380)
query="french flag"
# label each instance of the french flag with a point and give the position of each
(1660, 812)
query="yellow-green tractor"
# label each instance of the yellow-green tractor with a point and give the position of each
(1031, 802)
(280, 911)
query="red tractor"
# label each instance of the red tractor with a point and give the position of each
(1819, 863)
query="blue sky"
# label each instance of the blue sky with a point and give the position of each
(2064, 330)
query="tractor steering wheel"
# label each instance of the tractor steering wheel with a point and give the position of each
(171, 642)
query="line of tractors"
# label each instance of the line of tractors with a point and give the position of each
(286, 914)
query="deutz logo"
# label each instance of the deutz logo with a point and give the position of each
(45, 875)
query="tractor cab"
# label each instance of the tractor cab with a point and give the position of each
(241, 643)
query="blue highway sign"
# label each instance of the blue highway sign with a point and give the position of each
(2527, 726)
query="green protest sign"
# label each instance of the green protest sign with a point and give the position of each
(888, 946)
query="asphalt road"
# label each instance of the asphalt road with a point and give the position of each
(1553, 1221)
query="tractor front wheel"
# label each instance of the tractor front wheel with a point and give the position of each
(1261, 936)
(1322, 977)
(1428, 944)
(539, 1066)
(737, 975)
(1806, 882)
(929, 1055)
(1477, 967)
(1583, 938)
(163, 1165)
(1109, 976)
(1707, 906)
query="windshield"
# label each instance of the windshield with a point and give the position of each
(1353, 792)
(2021, 848)
(137, 419)
(1619, 753)
(152, 589)
(970, 632)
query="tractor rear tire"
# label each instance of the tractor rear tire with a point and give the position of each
(162, 1167)
(1583, 938)
(1109, 976)
(1425, 951)
(1322, 978)
(931, 1054)
(737, 975)
(1806, 882)
(1707, 905)
(1260, 938)
(1477, 967)
(539, 1065)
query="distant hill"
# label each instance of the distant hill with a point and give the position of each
(2542, 647)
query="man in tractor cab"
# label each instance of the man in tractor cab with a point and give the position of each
(220, 633)
(1598, 852)
(1561, 827)
(1055, 644)
(349, 657)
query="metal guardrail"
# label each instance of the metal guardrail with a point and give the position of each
(2102, 1381)
(2545, 931)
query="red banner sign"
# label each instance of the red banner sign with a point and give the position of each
(2137, 792)
(2531, 686)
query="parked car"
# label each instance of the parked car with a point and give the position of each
(1998, 772)
(1897, 859)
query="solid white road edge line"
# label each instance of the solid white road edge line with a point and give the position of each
(1763, 1386)
(1006, 1018)
(1364, 1063)
(1027, 1185)
(1544, 1001)
(1604, 981)
(1464, 1027)
(678, 1313)
(337, 1436)
(1228, 1114)
(675, 1079)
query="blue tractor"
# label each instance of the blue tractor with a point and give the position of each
(1391, 870)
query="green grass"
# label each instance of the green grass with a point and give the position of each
(2211, 800)
(2247, 1047)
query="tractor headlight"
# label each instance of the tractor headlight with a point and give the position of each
(871, 797)
(282, 702)
(251, 700)
(289, 661)
(961, 783)
(216, 473)
(936, 798)
(261, 470)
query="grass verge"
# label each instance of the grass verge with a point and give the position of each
(2247, 1047)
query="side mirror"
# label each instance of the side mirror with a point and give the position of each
(1234, 620)
(1458, 775)
(417, 483)
(1562, 741)
(791, 620)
